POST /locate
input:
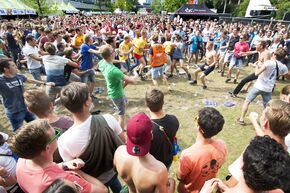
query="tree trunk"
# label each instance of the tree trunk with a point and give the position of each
(39, 7)
(225, 6)
(239, 2)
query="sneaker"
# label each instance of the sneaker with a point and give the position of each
(170, 75)
(189, 76)
(204, 87)
(241, 122)
(233, 95)
(228, 80)
(235, 81)
(192, 82)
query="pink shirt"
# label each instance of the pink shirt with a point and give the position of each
(36, 181)
(241, 47)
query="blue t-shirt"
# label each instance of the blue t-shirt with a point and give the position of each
(11, 90)
(194, 43)
(87, 57)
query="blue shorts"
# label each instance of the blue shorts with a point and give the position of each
(89, 76)
(254, 92)
(237, 62)
(157, 71)
(120, 104)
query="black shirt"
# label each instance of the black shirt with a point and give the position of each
(233, 40)
(161, 149)
(11, 41)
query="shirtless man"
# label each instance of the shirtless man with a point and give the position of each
(264, 55)
(208, 67)
(136, 166)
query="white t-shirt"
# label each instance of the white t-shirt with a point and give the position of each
(267, 79)
(73, 142)
(31, 63)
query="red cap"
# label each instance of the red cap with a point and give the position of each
(139, 132)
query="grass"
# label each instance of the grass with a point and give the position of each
(184, 102)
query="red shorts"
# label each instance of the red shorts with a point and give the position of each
(137, 56)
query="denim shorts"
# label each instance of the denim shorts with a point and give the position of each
(254, 92)
(36, 73)
(120, 104)
(228, 56)
(157, 71)
(89, 76)
(126, 65)
(237, 62)
(16, 119)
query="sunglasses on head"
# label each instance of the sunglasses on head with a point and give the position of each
(57, 134)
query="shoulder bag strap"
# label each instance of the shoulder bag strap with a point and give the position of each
(162, 130)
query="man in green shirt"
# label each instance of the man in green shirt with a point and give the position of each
(116, 80)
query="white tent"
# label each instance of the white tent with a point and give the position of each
(259, 5)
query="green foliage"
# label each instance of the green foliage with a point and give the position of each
(242, 8)
(282, 6)
(156, 6)
(41, 7)
(173, 5)
(126, 5)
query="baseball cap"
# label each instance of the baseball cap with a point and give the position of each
(139, 132)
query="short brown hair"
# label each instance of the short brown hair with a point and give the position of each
(38, 102)
(106, 51)
(155, 38)
(31, 139)
(154, 99)
(278, 116)
(50, 48)
(280, 54)
(68, 52)
(74, 96)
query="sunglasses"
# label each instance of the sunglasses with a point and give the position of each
(57, 134)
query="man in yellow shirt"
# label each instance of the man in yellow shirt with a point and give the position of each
(139, 48)
(78, 39)
(125, 49)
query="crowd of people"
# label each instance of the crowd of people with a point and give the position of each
(89, 152)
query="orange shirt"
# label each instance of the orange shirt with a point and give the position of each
(199, 163)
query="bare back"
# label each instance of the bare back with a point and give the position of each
(210, 56)
(141, 174)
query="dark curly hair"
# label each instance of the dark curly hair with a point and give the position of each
(211, 121)
(266, 165)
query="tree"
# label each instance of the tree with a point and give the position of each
(173, 5)
(242, 8)
(41, 6)
(282, 6)
(156, 6)
(126, 5)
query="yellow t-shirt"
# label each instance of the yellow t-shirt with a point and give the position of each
(124, 48)
(79, 40)
(139, 43)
